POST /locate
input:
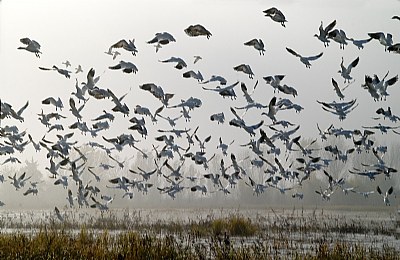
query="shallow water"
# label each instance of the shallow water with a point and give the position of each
(303, 228)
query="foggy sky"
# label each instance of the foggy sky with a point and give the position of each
(81, 31)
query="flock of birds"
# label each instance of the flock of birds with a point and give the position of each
(287, 162)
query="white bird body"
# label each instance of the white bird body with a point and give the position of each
(126, 45)
(323, 33)
(245, 68)
(258, 44)
(276, 15)
(305, 60)
(386, 195)
(162, 38)
(345, 72)
(125, 66)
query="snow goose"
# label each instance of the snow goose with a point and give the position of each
(224, 147)
(66, 63)
(78, 69)
(369, 85)
(258, 188)
(304, 60)
(196, 58)
(339, 36)
(394, 48)
(386, 195)
(192, 74)
(225, 91)
(219, 117)
(31, 46)
(162, 38)
(245, 69)
(57, 103)
(58, 214)
(385, 40)
(258, 44)
(197, 30)
(360, 43)
(180, 63)
(382, 85)
(323, 33)
(171, 121)
(383, 128)
(345, 72)
(274, 81)
(276, 15)
(387, 114)
(340, 109)
(202, 188)
(337, 89)
(61, 71)
(272, 109)
(215, 78)
(80, 93)
(125, 66)
(128, 46)
(158, 92)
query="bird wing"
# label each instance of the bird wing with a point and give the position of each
(310, 58)
(293, 52)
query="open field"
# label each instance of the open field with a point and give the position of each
(201, 234)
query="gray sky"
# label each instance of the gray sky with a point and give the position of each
(81, 31)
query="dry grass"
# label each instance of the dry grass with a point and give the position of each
(230, 237)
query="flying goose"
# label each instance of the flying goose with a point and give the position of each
(276, 15)
(58, 214)
(274, 81)
(394, 48)
(258, 188)
(61, 71)
(197, 30)
(196, 58)
(158, 92)
(192, 74)
(180, 63)
(128, 46)
(386, 195)
(125, 66)
(360, 43)
(57, 103)
(239, 122)
(382, 85)
(323, 32)
(385, 40)
(219, 117)
(345, 72)
(31, 46)
(340, 109)
(162, 38)
(258, 44)
(272, 109)
(304, 60)
(245, 69)
(337, 89)
(78, 69)
(387, 114)
(225, 91)
(80, 93)
(66, 63)
(215, 78)
(339, 36)
(224, 147)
